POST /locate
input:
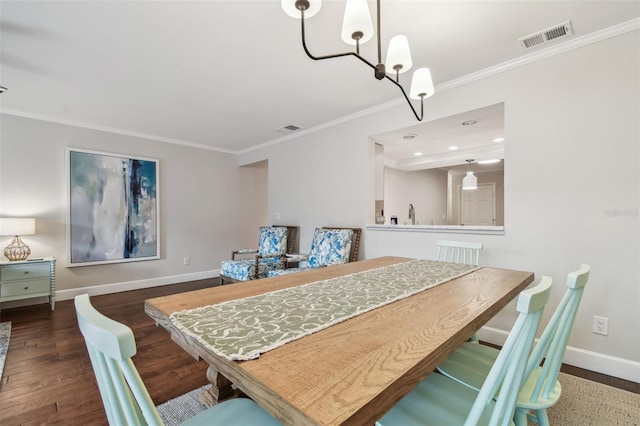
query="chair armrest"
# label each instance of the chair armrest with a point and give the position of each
(282, 262)
(242, 251)
(297, 257)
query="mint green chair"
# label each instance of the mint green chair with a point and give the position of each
(126, 400)
(438, 400)
(470, 364)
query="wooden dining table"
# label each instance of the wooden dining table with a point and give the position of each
(352, 372)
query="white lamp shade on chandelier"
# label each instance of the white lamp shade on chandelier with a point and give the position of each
(470, 181)
(398, 55)
(356, 19)
(422, 84)
(289, 7)
(17, 250)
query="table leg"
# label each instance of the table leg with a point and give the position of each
(219, 390)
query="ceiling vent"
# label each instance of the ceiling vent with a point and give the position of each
(288, 129)
(546, 36)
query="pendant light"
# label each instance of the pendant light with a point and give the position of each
(357, 28)
(470, 181)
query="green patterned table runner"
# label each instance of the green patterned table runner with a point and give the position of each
(242, 329)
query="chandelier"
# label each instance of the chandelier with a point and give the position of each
(357, 28)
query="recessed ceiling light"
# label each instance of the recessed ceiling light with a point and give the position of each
(417, 154)
(453, 148)
(498, 140)
(496, 160)
(409, 136)
(469, 122)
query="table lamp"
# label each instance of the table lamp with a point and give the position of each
(17, 250)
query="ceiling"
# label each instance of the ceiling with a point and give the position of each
(476, 135)
(225, 74)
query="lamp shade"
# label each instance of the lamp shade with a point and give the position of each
(421, 84)
(289, 7)
(470, 181)
(398, 54)
(17, 226)
(356, 19)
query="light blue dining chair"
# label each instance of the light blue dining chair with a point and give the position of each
(470, 364)
(124, 396)
(439, 400)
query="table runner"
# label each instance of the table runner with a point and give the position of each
(242, 329)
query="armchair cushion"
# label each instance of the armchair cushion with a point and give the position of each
(272, 240)
(244, 269)
(330, 247)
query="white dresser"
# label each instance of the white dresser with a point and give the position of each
(28, 278)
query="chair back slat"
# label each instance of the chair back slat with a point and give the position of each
(459, 252)
(507, 373)
(111, 345)
(553, 343)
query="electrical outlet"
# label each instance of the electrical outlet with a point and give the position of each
(187, 261)
(601, 325)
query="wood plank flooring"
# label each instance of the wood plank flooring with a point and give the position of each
(48, 378)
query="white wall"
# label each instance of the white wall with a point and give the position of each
(425, 189)
(571, 185)
(208, 206)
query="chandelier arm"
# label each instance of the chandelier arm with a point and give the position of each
(339, 55)
(419, 118)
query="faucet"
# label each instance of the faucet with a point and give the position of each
(412, 214)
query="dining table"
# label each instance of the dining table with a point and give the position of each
(354, 368)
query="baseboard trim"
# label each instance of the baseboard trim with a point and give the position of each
(98, 290)
(593, 361)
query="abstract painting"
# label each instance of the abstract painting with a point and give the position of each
(113, 208)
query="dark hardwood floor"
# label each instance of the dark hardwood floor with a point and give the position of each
(48, 378)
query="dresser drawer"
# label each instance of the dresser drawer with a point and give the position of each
(25, 271)
(20, 288)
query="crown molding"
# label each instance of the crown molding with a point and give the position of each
(548, 52)
(115, 130)
(575, 43)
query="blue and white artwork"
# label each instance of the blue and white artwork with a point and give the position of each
(113, 212)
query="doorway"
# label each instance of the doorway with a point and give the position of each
(478, 207)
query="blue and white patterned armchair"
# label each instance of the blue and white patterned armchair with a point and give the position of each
(330, 246)
(273, 243)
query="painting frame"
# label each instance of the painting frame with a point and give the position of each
(113, 207)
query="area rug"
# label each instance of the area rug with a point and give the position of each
(583, 403)
(5, 332)
(177, 410)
